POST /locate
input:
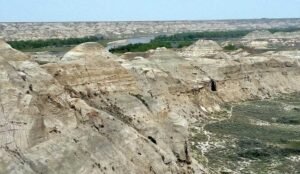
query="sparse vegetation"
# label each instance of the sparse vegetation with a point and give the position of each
(230, 47)
(260, 131)
(289, 29)
(140, 47)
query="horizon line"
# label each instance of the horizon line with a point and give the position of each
(179, 20)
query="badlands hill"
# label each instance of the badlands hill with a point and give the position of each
(264, 34)
(92, 112)
(47, 30)
(276, 41)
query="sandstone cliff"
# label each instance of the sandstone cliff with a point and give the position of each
(88, 113)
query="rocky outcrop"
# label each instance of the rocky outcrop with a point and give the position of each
(92, 113)
(265, 34)
(46, 57)
(88, 113)
(9, 53)
(204, 48)
(46, 30)
(265, 40)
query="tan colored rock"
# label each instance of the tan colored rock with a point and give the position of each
(8, 52)
(258, 44)
(88, 113)
(263, 34)
(45, 57)
(203, 48)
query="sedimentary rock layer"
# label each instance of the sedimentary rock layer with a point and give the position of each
(89, 113)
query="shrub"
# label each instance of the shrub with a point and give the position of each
(230, 47)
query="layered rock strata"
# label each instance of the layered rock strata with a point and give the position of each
(92, 112)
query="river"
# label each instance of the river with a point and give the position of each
(135, 40)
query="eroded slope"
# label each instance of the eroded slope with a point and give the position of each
(88, 113)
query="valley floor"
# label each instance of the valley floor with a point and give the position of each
(260, 137)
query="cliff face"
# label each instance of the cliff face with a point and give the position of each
(88, 113)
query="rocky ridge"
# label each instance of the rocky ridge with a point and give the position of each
(92, 112)
(265, 34)
(265, 40)
(33, 31)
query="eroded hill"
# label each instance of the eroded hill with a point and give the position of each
(94, 112)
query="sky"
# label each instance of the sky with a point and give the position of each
(144, 10)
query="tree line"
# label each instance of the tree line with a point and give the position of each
(31, 44)
(169, 41)
(180, 40)
(186, 39)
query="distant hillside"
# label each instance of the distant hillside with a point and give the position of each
(118, 30)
